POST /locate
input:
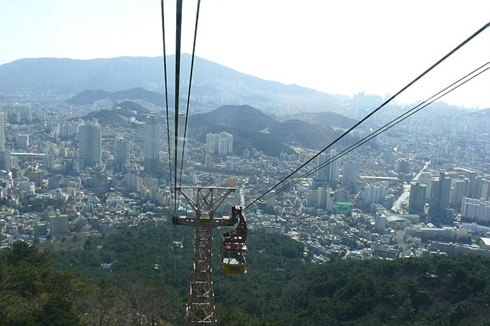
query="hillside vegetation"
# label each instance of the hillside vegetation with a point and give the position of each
(253, 128)
(138, 93)
(119, 113)
(146, 277)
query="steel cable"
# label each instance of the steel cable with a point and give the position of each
(373, 112)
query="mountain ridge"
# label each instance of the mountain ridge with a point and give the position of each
(89, 96)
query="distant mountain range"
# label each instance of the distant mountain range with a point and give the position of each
(213, 84)
(88, 97)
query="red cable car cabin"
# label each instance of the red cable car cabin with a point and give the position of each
(234, 247)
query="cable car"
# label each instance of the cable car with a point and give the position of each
(234, 246)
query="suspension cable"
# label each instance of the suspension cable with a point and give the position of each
(380, 130)
(389, 125)
(178, 36)
(374, 111)
(166, 100)
(189, 92)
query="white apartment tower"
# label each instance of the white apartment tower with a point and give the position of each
(374, 194)
(89, 137)
(5, 159)
(2, 130)
(350, 173)
(475, 210)
(221, 144)
(328, 174)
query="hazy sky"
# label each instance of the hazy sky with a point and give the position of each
(336, 46)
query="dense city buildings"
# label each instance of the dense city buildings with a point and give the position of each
(421, 191)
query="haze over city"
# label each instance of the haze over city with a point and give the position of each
(336, 47)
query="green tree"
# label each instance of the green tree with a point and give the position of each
(32, 292)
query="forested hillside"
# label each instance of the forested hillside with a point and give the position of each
(136, 277)
(32, 292)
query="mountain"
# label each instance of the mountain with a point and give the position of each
(88, 97)
(245, 123)
(212, 84)
(234, 116)
(137, 93)
(120, 113)
(303, 133)
(68, 76)
(325, 119)
(253, 128)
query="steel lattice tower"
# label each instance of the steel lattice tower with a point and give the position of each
(200, 309)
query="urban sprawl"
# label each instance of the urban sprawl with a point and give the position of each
(420, 189)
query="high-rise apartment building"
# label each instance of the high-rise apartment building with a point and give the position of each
(5, 160)
(2, 130)
(59, 224)
(221, 144)
(328, 174)
(68, 129)
(460, 189)
(416, 202)
(440, 194)
(22, 141)
(480, 187)
(211, 143)
(477, 210)
(152, 144)
(321, 198)
(121, 154)
(350, 173)
(446, 182)
(89, 138)
(374, 194)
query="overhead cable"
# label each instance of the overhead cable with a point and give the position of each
(373, 112)
(189, 92)
(388, 126)
(178, 36)
(166, 99)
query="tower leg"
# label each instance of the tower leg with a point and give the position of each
(200, 308)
